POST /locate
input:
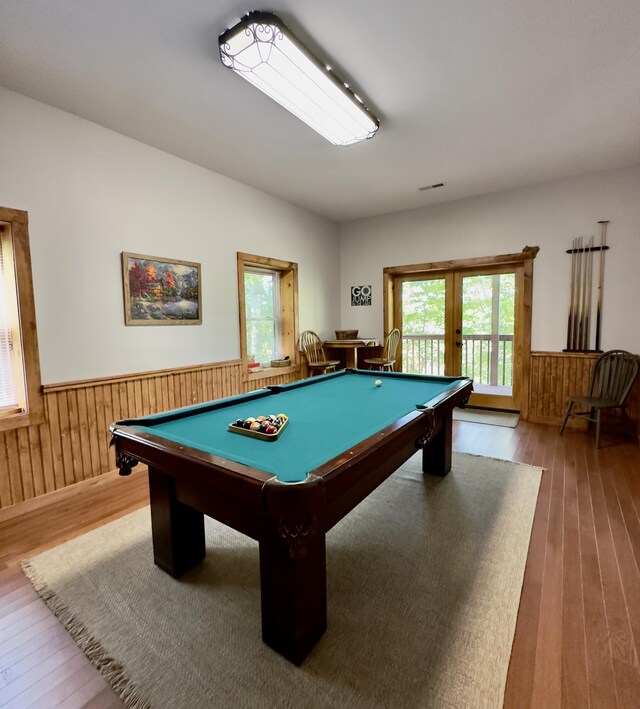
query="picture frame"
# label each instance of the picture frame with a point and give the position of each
(160, 291)
(361, 295)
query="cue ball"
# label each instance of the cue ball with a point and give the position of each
(378, 382)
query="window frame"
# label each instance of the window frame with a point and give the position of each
(14, 226)
(288, 316)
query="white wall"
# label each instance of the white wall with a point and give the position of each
(548, 215)
(92, 193)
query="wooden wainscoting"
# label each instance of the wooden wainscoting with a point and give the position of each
(73, 443)
(553, 376)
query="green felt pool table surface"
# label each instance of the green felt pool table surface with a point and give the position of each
(327, 415)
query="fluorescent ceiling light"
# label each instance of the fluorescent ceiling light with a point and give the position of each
(262, 50)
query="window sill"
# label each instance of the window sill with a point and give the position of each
(11, 421)
(270, 372)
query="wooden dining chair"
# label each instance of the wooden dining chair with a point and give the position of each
(611, 380)
(313, 350)
(388, 358)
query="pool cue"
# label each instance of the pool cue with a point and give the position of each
(570, 318)
(578, 338)
(603, 243)
(585, 288)
(588, 294)
(576, 310)
(572, 304)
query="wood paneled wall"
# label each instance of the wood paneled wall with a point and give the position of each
(73, 442)
(553, 376)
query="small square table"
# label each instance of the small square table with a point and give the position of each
(347, 350)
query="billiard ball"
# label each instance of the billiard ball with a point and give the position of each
(255, 426)
(240, 423)
(378, 382)
(271, 429)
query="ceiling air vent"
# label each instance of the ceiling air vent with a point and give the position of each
(432, 187)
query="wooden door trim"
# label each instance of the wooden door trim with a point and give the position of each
(461, 264)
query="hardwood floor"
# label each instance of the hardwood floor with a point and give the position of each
(40, 665)
(578, 627)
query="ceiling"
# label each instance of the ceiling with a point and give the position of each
(483, 95)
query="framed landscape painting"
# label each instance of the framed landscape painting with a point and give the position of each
(160, 291)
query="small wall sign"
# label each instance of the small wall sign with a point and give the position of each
(360, 295)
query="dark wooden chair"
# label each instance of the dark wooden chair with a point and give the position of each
(313, 350)
(612, 377)
(388, 358)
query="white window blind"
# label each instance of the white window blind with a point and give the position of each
(8, 399)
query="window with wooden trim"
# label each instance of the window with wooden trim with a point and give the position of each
(268, 306)
(21, 400)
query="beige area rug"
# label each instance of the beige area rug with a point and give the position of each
(493, 418)
(424, 581)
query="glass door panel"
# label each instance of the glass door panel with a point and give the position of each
(424, 326)
(486, 344)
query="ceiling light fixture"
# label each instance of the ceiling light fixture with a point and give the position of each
(262, 50)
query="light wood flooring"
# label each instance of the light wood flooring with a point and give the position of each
(578, 627)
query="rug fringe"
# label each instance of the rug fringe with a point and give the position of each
(108, 667)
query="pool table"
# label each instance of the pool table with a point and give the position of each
(345, 435)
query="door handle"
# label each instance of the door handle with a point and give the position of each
(458, 343)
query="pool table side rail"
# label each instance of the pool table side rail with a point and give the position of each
(374, 374)
(351, 475)
(451, 393)
(175, 414)
(210, 484)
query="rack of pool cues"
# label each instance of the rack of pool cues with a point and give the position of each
(580, 323)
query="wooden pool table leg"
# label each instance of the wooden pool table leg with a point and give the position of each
(293, 572)
(177, 529)
(436, 455)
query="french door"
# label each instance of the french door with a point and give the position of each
(469, 318)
